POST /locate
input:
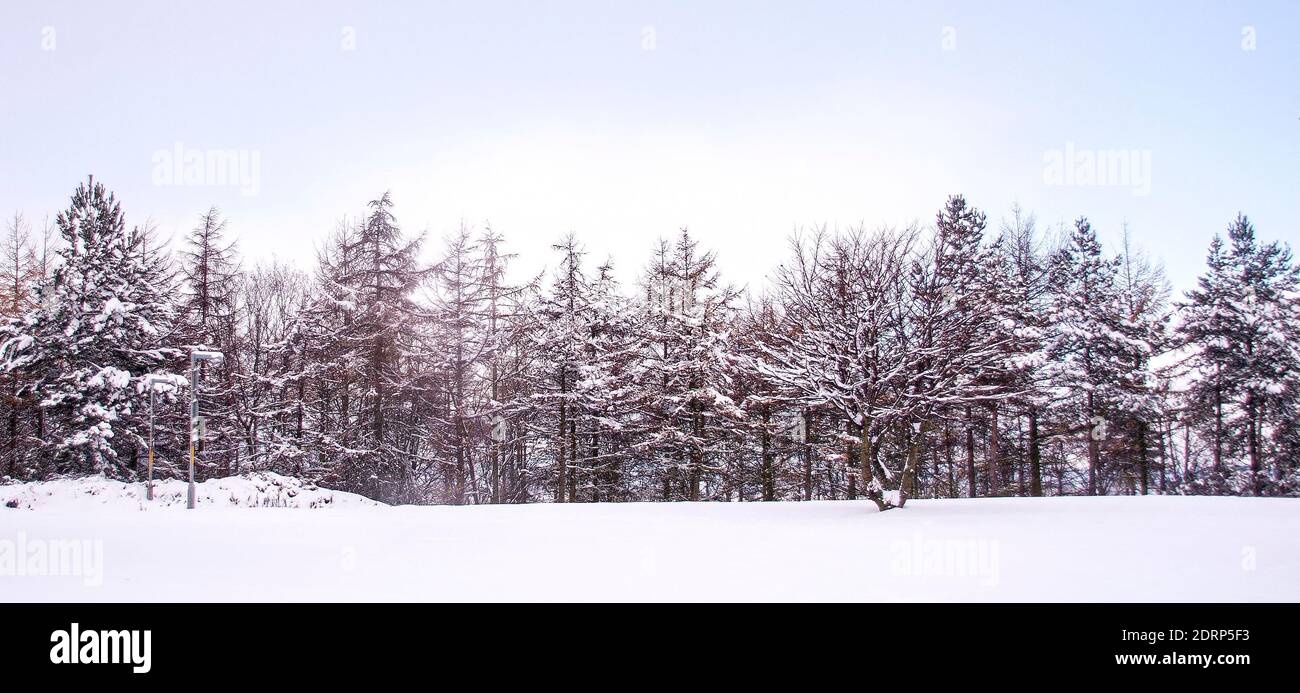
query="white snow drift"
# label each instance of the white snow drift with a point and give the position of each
(262, 489)
(297, 542)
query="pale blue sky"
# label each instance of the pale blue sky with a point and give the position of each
(745, 119)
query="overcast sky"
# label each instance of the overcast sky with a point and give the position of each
(624, 121)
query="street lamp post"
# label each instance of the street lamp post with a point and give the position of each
(196, 357)
(151, 382)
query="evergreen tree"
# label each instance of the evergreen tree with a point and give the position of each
(1208, 329)
(1240, 323)
(564, 320)
(98, 331)
(689, 366)
(1018, 290)
(954, 343)
(1143, 332)
(1085, 346)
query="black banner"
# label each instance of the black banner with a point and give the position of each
(754, 643)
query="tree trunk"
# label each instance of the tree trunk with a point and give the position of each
(970, 455)
(848, 464)
(869, 487)
(1252, 443)
(1094, 452)
(769, 482)
(1035, 457)
(13, 434)
(1143, 472)
(697, 428)
(907, 485)
(597, 477)
(807, 458)
(573, 459)
(1218, 424)
(995, 453)
(948, 461)
(561, 459)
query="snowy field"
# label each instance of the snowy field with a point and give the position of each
(272, 539)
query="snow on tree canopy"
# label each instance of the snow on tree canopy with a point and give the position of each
(96, 332)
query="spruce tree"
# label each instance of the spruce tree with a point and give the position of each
(1208, 330)
(689, 366)
(99, 330)
(1085, 346)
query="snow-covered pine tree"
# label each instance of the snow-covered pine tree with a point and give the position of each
(329, 366)
(607, 394)
(1143, 295)
(1268, 363)
(98, 331)
(1086, 347)
(1240, 327)
(564, 330)
(765, 400)
(1018, 290)
(588, 359)
(1206, 330)
(952, 341)
(689, 360)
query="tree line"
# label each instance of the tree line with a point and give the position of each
(948, 360)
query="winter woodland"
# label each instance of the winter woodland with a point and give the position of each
(961, 358)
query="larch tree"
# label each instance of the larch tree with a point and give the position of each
(207, 316)
(20, 273)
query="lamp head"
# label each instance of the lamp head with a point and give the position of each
(213, 357)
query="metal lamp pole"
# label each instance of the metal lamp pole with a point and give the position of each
(151, 382)
(197, 357)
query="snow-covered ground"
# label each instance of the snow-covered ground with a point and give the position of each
(260, 490)
(270, 538)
